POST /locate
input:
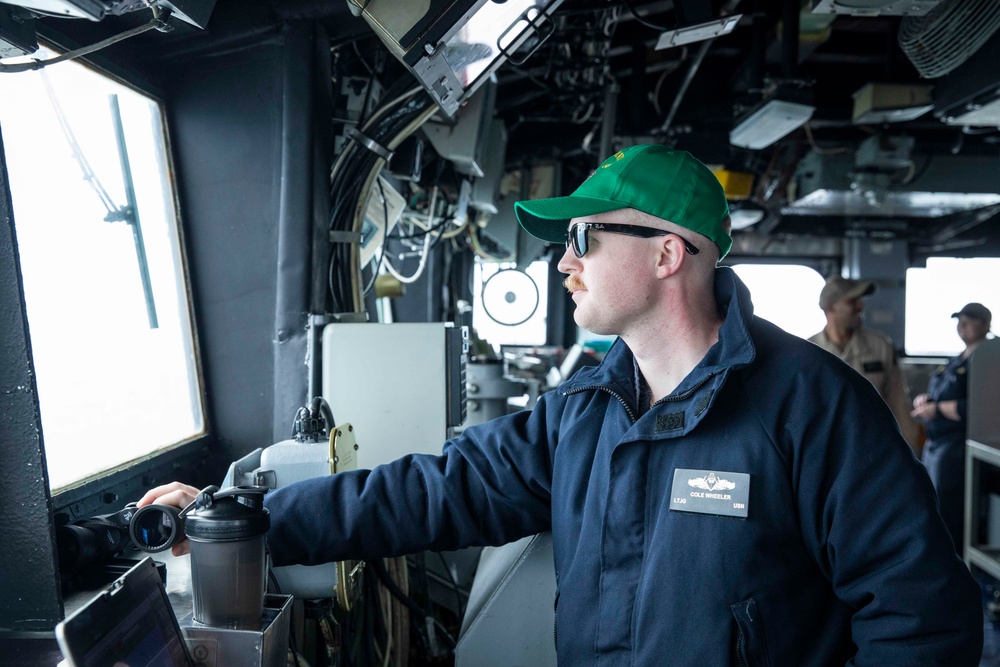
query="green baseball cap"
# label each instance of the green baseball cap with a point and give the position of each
(658, 180)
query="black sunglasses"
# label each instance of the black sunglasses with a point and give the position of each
(577, 235)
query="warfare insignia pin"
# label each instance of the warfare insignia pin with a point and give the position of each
(711, 492)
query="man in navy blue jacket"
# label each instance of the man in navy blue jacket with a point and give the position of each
(719, 492)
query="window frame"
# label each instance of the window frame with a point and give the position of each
(114, 487)
(941, 357)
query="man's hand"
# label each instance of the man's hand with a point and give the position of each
(930, 410)
(177, 495)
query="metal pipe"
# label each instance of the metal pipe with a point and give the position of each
(693, 69)
(608, 121)
(131, 212)
(790, 38)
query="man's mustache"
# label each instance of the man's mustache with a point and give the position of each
(573, 284)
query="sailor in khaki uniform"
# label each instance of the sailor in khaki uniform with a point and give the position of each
(870, 353)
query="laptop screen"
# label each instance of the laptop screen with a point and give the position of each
(129, 625)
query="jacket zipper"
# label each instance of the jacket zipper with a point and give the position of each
(680, 397)
(740, 644)
(610, 391)
(686, 395)
(555, 623)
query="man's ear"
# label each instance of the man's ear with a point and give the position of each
(670, 256)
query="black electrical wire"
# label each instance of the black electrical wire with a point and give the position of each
(378, 624)
(372, 80)
(410, 603)
(367, 625)
(648, 24)
(347, 640)
(158, 22)
(345, 196)
(358, 174)
(437, 239)
(338, 659)
(357, 52)
(403, 88)
(347, 182)
(319, 407)
(430, 215)
(417, 588)
(454, 585)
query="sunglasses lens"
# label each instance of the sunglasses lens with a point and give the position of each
(580, 239)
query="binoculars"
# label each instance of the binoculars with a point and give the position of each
(151, 529)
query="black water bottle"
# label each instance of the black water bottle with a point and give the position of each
(228, 569)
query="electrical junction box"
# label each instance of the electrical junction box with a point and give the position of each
(402, 386)
(891, 103)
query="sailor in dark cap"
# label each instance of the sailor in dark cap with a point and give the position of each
(943, 409)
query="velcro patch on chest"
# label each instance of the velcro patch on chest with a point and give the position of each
(873, 366)
(703, 402)
(669, 422)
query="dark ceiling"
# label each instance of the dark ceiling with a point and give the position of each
(600, 70)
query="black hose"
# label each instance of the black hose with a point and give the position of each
(320, 406)
(393, 588)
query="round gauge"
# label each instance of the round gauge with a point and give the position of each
(510, 297)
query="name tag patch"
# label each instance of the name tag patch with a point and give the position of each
(873, 366)
(711, 492)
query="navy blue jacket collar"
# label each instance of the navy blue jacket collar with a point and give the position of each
(618, 372)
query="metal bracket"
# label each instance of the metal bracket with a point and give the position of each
(356, 135)
(266, 478)
(343, 449)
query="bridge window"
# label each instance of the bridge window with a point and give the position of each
(104, 283)
(786, 295)
(935, 292)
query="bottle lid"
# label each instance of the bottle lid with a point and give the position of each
(236, 513)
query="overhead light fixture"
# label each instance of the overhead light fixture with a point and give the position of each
(828, 184)
(874, 7)
(986, 114)
(745, 214)
(770, 123)
(697, 33)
